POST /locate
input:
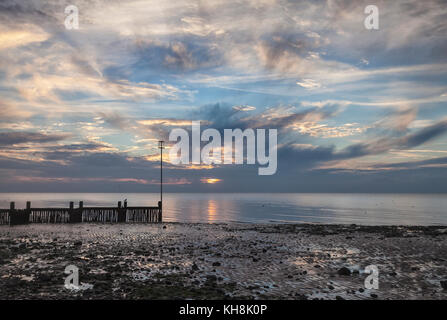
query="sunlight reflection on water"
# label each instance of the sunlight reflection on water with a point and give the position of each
(368, 209)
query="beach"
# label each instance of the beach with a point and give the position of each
(222, 261)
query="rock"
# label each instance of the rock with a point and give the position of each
(444, 284)
(4, 253)
(344, 271)
(164, 227)
(78, 243)
(216, 264)
(195, 267)
(373, 295)
(300, 296)
(339, 298)
(211, 278)
(330, 287)
(45, 277)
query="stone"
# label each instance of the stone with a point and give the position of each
(344, 271)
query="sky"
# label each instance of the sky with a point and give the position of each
(356, 110)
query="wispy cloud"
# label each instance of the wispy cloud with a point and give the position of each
(88, 105)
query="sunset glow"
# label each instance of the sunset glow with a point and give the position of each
(210, 180)
(354, 110)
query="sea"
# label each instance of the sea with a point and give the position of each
(322, 208)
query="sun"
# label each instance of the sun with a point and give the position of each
(210, 180)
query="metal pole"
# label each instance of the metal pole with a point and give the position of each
(161, 175)
(161, 147)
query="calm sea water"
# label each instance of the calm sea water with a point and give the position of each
(366, 209)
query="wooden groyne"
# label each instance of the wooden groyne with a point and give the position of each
(120, 213)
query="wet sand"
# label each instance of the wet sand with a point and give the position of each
(222, 261)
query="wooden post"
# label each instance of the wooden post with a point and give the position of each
(79, 212)
(71, 212)
(122, 212)
(125, 211)
(12, 214)
(118, 212)
(27, 212)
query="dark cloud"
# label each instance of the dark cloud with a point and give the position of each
(279, 48)
(177, 56)
(223, 116)
(384, 144)
(10, 138)
(41, 13)
(307, 156)
(425, 134)
(67, 152)
(434, 162)
(219, 115)
(276, 120)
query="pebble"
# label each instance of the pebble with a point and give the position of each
(344, 271)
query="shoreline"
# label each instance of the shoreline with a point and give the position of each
(176, 260)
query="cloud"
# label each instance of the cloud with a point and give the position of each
(338, 94)
(315, 155)
(287, 118)
(440, 162)
(309, 84)
(9, 112)
(154, 129)
(16, 38)
(244, 108)
(12, 138)
(425, 134)
(399, 119)
(384, 144)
